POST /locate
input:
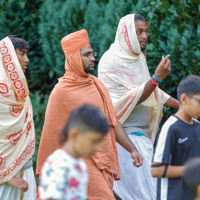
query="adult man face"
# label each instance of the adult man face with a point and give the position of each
(87, 56)
(22, 57)
(141, 31)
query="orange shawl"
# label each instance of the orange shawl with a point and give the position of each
(76, 88)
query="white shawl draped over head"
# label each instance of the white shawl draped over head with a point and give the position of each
(124, 72)
(17, 134)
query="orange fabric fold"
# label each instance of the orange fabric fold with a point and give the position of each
(74, 42)
(74, 89)
(100, 183)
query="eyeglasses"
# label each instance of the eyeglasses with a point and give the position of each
(194, 97)
(88, 54)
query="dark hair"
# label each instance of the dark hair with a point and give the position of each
(85, 118)
(191, 175)
(189, 85)
(139, 17)
(18, 43)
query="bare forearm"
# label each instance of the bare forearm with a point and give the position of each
(123, 139)
(161, 72)
(148, 89)
(172, 171)
(172, 102)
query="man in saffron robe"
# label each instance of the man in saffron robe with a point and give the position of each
(75, 88)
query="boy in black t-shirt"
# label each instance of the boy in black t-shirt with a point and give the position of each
(178, 141)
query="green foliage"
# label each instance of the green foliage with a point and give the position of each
(58, 18)
(22, 18)
(39, 102)
(174, 30)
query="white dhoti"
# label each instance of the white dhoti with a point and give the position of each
(7, 192)
(136, 183)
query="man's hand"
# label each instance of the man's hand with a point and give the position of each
(19, 183)
(138, 160)
(125, 142)
(163, 68)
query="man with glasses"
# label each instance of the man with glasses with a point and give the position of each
(75, 88)
(178, 141)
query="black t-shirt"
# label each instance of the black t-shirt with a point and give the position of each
(177, 142)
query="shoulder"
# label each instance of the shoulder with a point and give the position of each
(107, 61)
(165, 139)
(99, 81)
(170, 124)
(104, 57)
(167, 130)
(57, 159)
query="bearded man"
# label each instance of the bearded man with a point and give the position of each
(75, 88)
(138, 102)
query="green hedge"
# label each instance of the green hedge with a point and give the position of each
(174, 30)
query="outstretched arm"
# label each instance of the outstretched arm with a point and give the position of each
(172, 102)
(125, 142)
(172, 171)
(161, 73)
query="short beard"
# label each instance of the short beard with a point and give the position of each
(88, 70)
(143, 48)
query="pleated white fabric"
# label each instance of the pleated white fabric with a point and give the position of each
(136, 183)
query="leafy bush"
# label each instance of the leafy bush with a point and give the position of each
(174, 30)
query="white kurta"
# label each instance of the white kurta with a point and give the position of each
(136, 183)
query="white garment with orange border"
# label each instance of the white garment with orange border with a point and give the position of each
(124, 72)
(17, 133)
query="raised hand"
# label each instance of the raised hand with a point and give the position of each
(163, 68)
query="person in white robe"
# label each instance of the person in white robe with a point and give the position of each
(138, 102)
(17, 133)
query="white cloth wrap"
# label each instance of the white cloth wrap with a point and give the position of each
(124, 72)
(136, 183)
(17, 133)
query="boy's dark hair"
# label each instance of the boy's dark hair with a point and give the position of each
(18, 43)
(189, 85)
(191, 175)
(139, 17)
(85, 118)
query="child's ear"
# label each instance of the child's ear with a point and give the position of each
(184, 98)
(73, 133)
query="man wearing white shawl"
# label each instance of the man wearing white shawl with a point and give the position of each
(17, 134)
(138, 102)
